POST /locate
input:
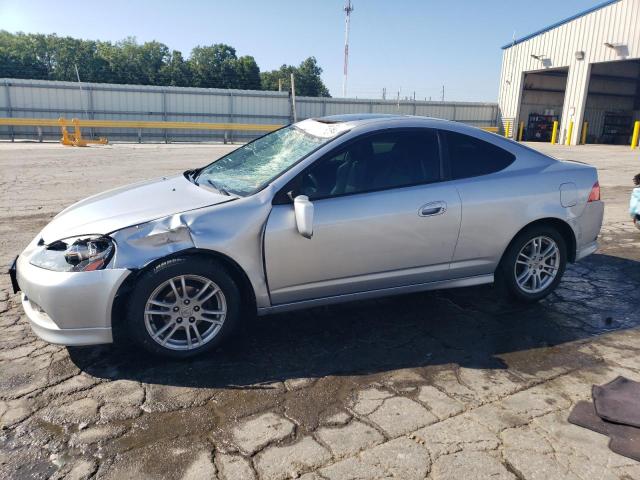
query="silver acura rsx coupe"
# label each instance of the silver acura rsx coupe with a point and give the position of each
(323, 211)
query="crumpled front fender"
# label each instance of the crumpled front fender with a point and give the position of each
(233, 229)
(139, 245)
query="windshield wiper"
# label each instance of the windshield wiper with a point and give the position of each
(217, 187)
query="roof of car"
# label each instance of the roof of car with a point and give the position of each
(361, 118)
(372, 121)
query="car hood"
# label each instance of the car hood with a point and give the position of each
(130, 205)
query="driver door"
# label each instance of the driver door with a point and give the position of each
(382, 219)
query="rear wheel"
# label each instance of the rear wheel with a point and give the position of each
(534, 263)
(183, 307)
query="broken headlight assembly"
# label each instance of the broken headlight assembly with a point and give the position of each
(77, 254)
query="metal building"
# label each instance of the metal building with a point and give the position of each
(583, 72)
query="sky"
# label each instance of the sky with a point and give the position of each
(404, 46)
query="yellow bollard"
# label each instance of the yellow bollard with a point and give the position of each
(507, 129)
(636, 133)
(554, 133)
(521, 131)
(585, 129)
(569, 133)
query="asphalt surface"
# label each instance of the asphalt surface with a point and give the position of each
(450, 384)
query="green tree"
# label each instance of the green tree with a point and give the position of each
(176, 72)
(51, 57)
(19, 57)
(277, 78)
(152, 57)
(307, 78)
(248, 73)
(214, 66)
(130, 62)
(65, 53)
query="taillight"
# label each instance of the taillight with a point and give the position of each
(594, 196)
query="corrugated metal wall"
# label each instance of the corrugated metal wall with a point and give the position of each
(45, 99)
(617, 24)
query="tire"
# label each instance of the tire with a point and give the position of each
(517, 275)
(184, 309)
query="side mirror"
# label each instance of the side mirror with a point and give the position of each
(304, 215)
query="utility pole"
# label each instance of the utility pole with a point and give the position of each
(279, 84)
(86, 113)
(86, 109)
(384, 93)
(443, 93)
(347, 10)
(293, 99)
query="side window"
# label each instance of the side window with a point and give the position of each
(472, 157)
(375, 162)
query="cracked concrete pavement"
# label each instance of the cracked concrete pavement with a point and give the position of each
(450, 384)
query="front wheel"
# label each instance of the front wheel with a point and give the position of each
(534, 263)
(183, 307)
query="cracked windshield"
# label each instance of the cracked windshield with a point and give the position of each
(247, 169)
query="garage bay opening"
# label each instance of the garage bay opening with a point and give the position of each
(542, 100)
(613, 102)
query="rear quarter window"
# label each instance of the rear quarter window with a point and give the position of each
(472, 157)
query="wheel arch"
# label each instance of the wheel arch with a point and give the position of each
(563, 228)
(247, 293)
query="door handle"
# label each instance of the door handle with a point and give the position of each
(432, 208)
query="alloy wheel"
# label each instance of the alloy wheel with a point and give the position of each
(537, 264)
(185, 312)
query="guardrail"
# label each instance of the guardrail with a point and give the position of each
(76, 139)
(63, 123)
(54, 122)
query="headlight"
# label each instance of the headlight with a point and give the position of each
(77, 254)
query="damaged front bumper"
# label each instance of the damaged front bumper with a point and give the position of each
(69, 308)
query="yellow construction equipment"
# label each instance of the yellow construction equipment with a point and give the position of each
(83, 142)
(75, 139)
(65, 139)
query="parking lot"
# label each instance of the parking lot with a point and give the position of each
(450, 384)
